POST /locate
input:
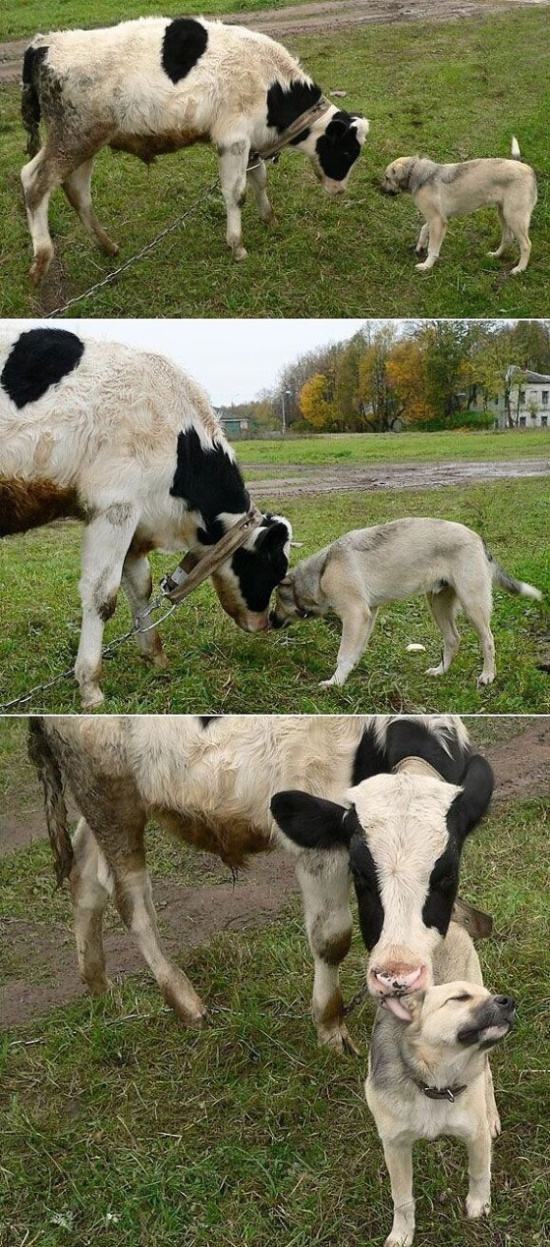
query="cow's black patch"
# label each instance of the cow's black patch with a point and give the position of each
(442, 888)
(365, 882)
(184, 43)
(209, 481)
(285, 104)
(38, 359)
(370, 758)
(311, 822)
(339, 147)
(260, 569)
(470, 805)
(408, 738)
(206, 719)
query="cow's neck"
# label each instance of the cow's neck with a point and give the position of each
(417, 766)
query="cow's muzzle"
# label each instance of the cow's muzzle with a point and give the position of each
(397, 980)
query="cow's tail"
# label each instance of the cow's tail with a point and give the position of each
(42, 754)
(503, 578)
(30, 96)
(514, 151)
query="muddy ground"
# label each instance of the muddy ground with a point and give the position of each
(190, 916)
(388, 476)
(322, 15)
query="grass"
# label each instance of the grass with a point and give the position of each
(453, 90)
(328, 450)
(215, 667)
(120, 1126)
(25, 17)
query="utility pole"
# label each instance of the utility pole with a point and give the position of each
(283, 411)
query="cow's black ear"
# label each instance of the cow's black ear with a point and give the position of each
(310, 822)
(338, 126)
(471, 804)
(273, 538)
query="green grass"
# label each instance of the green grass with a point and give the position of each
(453, 90)
(119, 1126)
(26, 17)
(327, 450)
(215, 667)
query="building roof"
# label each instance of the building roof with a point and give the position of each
(531, 378)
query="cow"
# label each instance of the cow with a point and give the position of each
(156, 85)
(211, 782)
(125, 441)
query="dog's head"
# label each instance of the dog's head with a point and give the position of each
(456, 1015)
(292, 602)
(397, 176)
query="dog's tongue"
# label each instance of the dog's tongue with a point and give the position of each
(398, 1008)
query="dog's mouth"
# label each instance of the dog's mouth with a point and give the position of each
(387, 190)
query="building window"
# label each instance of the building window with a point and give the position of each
(522, 422)
(545, 398)
(522, 397)
(544, 422)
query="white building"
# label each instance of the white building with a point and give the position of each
(528, 401)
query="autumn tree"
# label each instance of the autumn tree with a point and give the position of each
(406, 372)
(379, 404)
(317, 402)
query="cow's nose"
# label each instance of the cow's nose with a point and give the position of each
(398, 979)
(507, 1003)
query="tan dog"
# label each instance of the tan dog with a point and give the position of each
(369, 567)
(444, 191)
(429, 1075)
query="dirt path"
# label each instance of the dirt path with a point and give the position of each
(190, 916)
(323, 15)
(391, 476)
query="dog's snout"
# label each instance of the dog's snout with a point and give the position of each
(275, 620)
(507, 1003)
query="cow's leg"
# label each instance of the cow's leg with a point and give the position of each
(325, 882)
(398, 1157)
(478, 1201)
(77, 187)
(105, 544)
(258, 181)
(437, 231)
(39, 178)
(91, 886)
(444, 606)
(138, 586)
(233, 162)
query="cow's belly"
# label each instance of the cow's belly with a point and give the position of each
(148, 146)
(28, 504)
(231, 839)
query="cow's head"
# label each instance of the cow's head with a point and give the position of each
(333, 144)
(404, 834)
(245, 583)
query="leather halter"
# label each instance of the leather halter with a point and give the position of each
(271, 150)
(419, 767)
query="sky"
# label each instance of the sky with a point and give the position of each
(232, 359)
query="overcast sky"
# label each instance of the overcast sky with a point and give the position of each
(233, 359)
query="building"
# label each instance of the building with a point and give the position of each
(526, 401)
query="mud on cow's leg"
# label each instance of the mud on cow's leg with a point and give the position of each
(233, 162)
(91, 886)
(138, 586)
(106, 540)
(325, 882)
(258, 181)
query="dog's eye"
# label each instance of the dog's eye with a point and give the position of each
(465, 996)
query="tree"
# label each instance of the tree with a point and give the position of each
(317, 403)
(406, 372)
(446, 344)
(380, 406)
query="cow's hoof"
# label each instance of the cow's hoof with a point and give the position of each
(98, 986)
(240, 253)
(92, 698)
(477, 1207)
(40, 265)
(339, 1040)
(161, 660)
(110, 247)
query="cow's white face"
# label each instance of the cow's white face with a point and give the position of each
(245, 583)
(334, 144)
(404, 835)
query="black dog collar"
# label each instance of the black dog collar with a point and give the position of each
(440, 1093)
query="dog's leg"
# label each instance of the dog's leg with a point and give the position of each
(443, 606)
(520, 231)
(325, 882)
(423, 237)
(506, 237)
(479, 614)
(357, 626)
(478, 1201)
(493, 1115)
(398, 1158)
(438, 229)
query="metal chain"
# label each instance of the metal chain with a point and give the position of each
(106, 281)
(356, 1000)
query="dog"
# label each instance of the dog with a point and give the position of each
(444, 191)
(369, 567)
(429, 1075)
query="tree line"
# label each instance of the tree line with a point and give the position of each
(423, 374)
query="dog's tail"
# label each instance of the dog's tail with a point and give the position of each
(514, 151)
(42, 754)
(30, 96)
(502, 578)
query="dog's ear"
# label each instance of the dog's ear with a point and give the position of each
(311, 822)
(471, 804)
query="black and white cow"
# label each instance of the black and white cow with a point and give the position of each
(401, 829)
(127, 442)
(211, 783)
(154, 86)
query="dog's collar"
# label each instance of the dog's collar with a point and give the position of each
(416, 766)
(303, 614)
(439, 1093)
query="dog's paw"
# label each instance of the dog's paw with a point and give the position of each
(332, 683)
(403, 1239)
(435, 670)
(425, 266)
(484, 679)
(477, 1207)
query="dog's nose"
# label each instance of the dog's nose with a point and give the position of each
(274, 621)
(507, 1003)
